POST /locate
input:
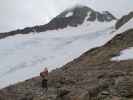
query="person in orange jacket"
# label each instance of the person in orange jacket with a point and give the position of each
(44, 75)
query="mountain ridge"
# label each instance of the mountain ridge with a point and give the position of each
(124, 20)
(60, 21)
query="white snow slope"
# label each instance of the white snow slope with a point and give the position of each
(24, 56)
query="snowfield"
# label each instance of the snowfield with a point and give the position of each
(24, 56)
(126, 54)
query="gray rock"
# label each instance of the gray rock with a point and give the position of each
(124, 87)
(123, 20)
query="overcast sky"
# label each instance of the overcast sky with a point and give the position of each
(21, 13)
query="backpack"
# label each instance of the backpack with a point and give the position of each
(44, 74)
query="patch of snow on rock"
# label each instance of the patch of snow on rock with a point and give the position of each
(126, 54)
(69, 14)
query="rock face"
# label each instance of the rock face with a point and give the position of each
(79, 13)
(124, 87)
(123, 20)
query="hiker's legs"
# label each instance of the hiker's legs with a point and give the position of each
(44, 84)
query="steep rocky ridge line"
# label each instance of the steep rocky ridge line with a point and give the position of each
(61, 21)
(123, 20)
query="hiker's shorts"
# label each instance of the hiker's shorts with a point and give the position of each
(44, 83)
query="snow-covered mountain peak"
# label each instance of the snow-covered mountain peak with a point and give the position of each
(78, 11)
(81, 12)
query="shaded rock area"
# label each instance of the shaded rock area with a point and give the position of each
(92, 76)
(124, 20)
(61, 21)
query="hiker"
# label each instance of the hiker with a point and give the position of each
(44, 76)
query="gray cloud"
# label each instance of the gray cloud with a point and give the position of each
(21, 13)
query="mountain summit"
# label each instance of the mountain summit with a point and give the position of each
(71, 17)
(76, 16)
(83, 11)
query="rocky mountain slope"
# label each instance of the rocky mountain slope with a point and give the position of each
(92, 76)
(79, 13)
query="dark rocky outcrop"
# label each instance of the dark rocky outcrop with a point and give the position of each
(123, 20)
